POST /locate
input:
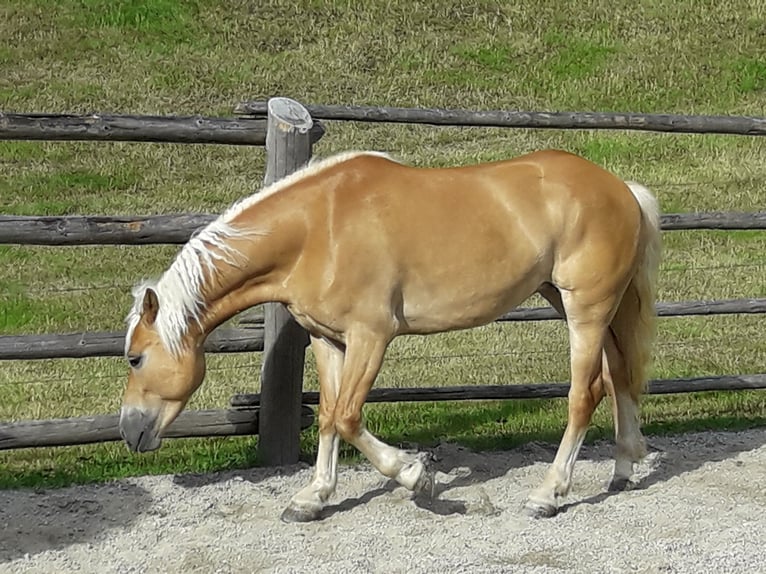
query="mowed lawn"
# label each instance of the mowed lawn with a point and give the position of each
(203, 57)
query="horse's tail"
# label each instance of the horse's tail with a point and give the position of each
(634, 323)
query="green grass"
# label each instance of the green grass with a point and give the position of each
(575, 58)
(202, 57)
(18, 310)
(750, 75)
(32, 468)
(64, 192)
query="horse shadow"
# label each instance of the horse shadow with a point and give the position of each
(670, 457)
(34, 521)
(673, 457)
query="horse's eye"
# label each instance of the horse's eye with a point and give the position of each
(135, 360)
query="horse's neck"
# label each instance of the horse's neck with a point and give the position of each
(263, 260)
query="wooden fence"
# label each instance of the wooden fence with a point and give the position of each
(517, 119)
(176, 229)
(157, 129)
(281, 410)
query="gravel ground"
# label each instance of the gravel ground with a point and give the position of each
(699, 506)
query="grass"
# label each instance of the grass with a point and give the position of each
(202, 57)
(750, 75)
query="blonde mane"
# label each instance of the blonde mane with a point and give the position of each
(179, 289)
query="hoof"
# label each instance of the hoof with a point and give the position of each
(539, 509)
(291, 514)
(425, 487)
(620, 484)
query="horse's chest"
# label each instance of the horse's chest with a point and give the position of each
(316, 327)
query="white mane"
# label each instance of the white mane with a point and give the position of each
(179, 288)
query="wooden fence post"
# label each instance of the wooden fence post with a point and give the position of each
(288, 148)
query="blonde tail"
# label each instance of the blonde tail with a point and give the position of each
(634, 323)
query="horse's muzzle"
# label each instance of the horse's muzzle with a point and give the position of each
(138, 429)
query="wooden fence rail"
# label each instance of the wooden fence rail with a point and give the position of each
(740, 125)
(250, 338)
(111, 344)
(100, 230)
(525, 391)
(670, 309)
(158, 129)
(103, 428)
(178, 228)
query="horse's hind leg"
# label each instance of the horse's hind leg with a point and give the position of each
(630, 443)
(587, 323)
(553, 296)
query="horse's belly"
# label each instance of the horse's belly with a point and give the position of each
(449, 309)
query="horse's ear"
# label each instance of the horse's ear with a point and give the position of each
(151, 306)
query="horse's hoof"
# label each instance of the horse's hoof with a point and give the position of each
(425, 487)
(539, 509)
(291, 514)
(620, 484)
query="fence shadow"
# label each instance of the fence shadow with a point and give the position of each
(34, 521)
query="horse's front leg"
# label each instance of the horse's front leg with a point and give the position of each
(307, 504)
(364, 356)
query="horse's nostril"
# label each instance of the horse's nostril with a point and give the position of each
(137, 429)
(140, 440)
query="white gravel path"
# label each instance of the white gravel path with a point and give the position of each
(700, 506)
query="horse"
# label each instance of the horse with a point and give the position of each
(362, 248)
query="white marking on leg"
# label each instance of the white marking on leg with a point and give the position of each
(311, 499)
(404, 467)
(631, 447)
(586, 342)
(558, 479)
(313, 496)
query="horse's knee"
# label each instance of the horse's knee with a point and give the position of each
(348, 425)
(325, 420)
(582, 404)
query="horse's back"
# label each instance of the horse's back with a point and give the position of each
(548, 196)
(537, 177)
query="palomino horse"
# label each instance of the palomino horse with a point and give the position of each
(362, 249)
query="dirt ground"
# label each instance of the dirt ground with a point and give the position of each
(699, 506)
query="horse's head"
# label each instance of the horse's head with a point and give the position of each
(161, 379)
